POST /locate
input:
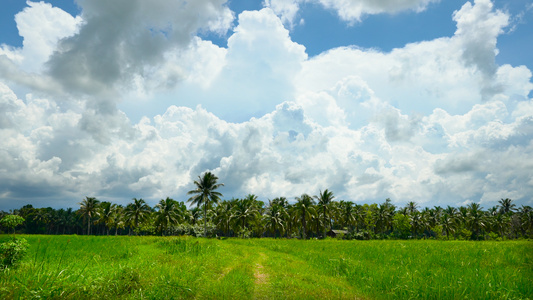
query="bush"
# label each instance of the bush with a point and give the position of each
(464, 234)
(11, 221)
(12, 251)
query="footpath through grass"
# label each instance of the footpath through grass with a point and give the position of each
(81, 267)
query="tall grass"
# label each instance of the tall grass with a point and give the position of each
(88, 267)
(420, 269)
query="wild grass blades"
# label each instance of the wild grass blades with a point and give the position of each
(82, 267)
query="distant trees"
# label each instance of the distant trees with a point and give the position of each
(136, 213)
(302, 211)
(205, 194)
(304, 217)
(167, 214)
(89, 209)
(325, 200)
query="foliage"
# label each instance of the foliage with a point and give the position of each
(301, 217)
(147, 267)
(12, 251)
(11, 221)
(205, 193)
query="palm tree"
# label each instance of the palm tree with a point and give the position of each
(526, 219)
(347, 213)
(167, 214)
(448, 223)
(205, 193)
(451, 211)
(117, 219)
(417, 222)
(136, 213)
(359, 215)
(42, 217)
(501, 222)
(89, 208)
(245, 210)
(324, 207)
(506, 206)
(384, 216)
(284, 204)
(106, 210)
(476, 218)
(275, 218)
(223, 216)
(412, 207)
(303, 211)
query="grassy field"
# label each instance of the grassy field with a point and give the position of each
(82, 267)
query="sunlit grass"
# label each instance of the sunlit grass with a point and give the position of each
(81, 267)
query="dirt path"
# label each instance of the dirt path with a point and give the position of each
(261, 277)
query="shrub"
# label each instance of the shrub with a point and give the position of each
(11, 221)
(12, 251)
(464, 234)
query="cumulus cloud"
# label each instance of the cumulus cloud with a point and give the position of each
(254, 73)
(121, 38)
(348, 10)
(419, 123)
(41, 25)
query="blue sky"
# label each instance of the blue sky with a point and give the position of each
(323, 30)
(415, 100)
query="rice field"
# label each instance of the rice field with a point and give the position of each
(129, 267)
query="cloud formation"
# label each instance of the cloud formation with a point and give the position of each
(437, 122)
(348, 10)
(121, 38)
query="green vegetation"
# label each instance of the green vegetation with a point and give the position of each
(13, 250)
(305, 218)
(130, 267)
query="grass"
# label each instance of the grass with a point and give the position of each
(82, 267)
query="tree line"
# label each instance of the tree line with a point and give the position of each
(307, 217)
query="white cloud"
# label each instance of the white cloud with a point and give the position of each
(254, 74)
(41, 27)
(121, 39)
(413, 124)
(348, 10)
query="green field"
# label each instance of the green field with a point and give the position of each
(170, 267)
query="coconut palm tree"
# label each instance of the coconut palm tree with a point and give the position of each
(223, 216)
(384, 215)
(448, 223)
(136, 213)
(417, 222)
(506, 206)
(501, 222)
(245, 210)
(475, 219)
(324, 207)
(275, 218)
(451, 211)
(412, 207)
(526, 219)
(303, 211)
(284, 204)
(117, 219)
(106, 210)
(167, 214)
(205, 193)
(347, 214)
(89, 209)
(359, 215)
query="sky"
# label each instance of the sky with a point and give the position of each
(414, 100)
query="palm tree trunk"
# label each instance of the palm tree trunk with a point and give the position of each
(325, 229)
(205, 220)
(304, 229)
